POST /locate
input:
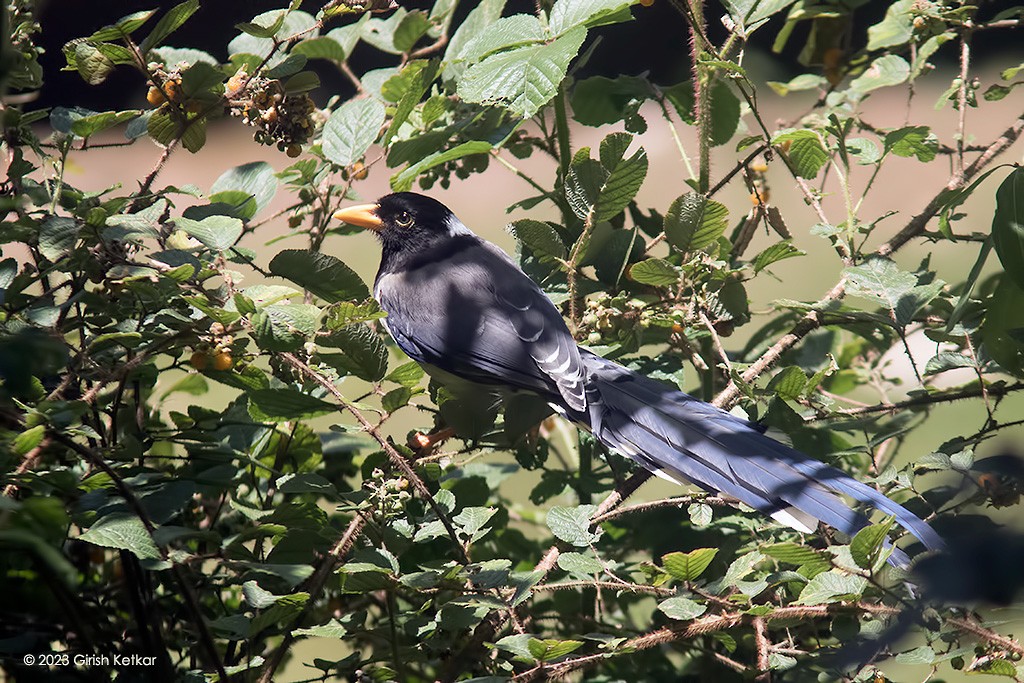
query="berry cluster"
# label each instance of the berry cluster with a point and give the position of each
(279, 118)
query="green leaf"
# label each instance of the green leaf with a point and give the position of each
(549, 649)
(507, 32)
(322, 274)
(789, 384)
(90, 125)
(1008, 225)
(407, 374)
(193, 136)
(168, 24)
(775, 253)
(700, 514)
(264, 25)
(688, 566)
(578, 563)
(693, 222)
(57, 235)
(410, 29)
(125, 532)
(363, 353)
(348, 312)
(885, 71)
(797, 84)
(794, 553)
(28, 439)
(896, 29)
(332, 629)
(472, 521)
(542, 239)
(682, 609)
(217, 233)
(1005, 316)
(832, 586)
(524, 79)
(868, 544)
(92, 64)
(284, 327)
(913, 141)
(947, 360)
(279, 405)
(996, 666)
(416, 76)
(750, 13)
(881, 280)
(567, 15)
(199, 78)
(255, 178)
(324, 47)
(599, 101)
(484, 14)
(403, 180)
(351, 129)
(395, 399)
(806, 152)
(572, 525)
(656, 272)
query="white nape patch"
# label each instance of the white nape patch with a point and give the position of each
(795, 519)
(457, 227)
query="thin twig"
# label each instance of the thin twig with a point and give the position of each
(314, 586)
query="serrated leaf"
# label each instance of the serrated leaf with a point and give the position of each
(567, 15)
(170, 22)
(688, 566)
(881, 280)
(897, 28)
(402, 181)
(572, 525)
(351, 129)
(869, 543)
(472, 521)
(656, 272)
(96, 123)
(407, 374)
(885, 71)
(524, 79)
(278, 405)
(395, 399)
(92, 64)
(1008, 226)
(542, 239)
(913, 141)
(217, 233)
(284, 327)
(363, 353)
(505, 33)
(57, 235)
(332, 629)
(832, 586)
(320, 273)
(549, 649)
(947, 360)
(806, 152)
(578, 563)
(775, 253)
(700, 514)
(681, 608)
(123, 531)
(793, 553)
(693, 222)
(790, 383)
(256, 179)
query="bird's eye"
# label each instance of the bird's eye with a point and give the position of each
(404, 219)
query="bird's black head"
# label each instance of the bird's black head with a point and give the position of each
(410, 226)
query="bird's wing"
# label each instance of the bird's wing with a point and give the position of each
(474, 314)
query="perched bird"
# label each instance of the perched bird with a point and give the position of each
(463, 309)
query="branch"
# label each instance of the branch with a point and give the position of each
(981, 390)
(315, 584)
(700, 627)
(396, 458)
(813, 319)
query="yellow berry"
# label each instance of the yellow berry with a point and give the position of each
(222, 361)
(154, 96)
(359, 171)
(200, 360)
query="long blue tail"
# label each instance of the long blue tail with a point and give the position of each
(678, 436)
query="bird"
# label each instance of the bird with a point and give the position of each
(462, 308)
